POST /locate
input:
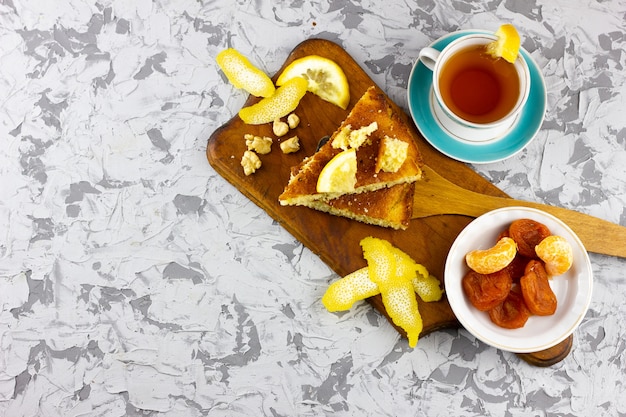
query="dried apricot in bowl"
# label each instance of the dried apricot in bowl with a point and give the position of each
(486, 291)
(527, 234)
(573, 289)
(538, 296)
(512, 313)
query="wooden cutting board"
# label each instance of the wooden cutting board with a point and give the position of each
(334, 239)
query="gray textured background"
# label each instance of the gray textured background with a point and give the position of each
(135, 281)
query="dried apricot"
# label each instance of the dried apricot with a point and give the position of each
(494, 259)
(517, 267)
(512, 313)
(527, 234)
(536, 290)
(557, 254)
(485, 291)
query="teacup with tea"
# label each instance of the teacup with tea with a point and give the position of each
(477, 97)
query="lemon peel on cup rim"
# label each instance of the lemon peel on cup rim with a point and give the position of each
(507, 45)
(325, 78)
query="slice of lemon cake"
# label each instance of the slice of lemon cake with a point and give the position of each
(387, 207)
(373, 150)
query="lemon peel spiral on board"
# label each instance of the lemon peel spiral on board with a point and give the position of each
(284, 100)
(242, 74)
(393, 274)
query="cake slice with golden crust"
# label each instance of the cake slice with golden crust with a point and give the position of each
(383, 193)
(387, 207)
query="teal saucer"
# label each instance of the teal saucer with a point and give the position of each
(516, 138)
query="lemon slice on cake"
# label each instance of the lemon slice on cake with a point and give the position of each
(325, 77)
(507, 45)
(339, 174)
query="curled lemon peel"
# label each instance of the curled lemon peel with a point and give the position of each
(393, 274)
(356, 286)
(381, 263)
(343, 293)
(242, 74)
(427, 287)
(401, 305)
(397, 292)
(284, 100)
(494, 259)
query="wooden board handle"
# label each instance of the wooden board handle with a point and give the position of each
(445, 197)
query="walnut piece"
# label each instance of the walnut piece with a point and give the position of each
(250, 162)
(259, 144)
(280, 128)
(293, 121)
(291, 145)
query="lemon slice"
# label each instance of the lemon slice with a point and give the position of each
(281, 103)
(339, 174)
(326, 79)
(242, 74)
(508, 43)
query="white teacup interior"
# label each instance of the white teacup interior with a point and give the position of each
(454, 124)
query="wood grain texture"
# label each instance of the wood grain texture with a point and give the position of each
(334, 239)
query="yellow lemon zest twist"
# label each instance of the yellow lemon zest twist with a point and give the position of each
(242, 74)
(393, 274)
(284, 100)
(396, 291)
(343, 293)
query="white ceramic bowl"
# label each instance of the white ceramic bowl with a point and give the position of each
(572, 289)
